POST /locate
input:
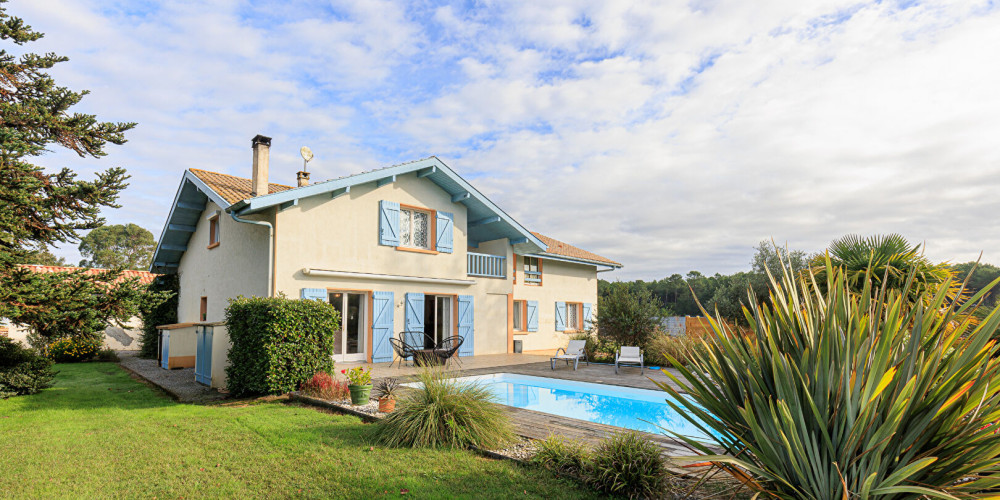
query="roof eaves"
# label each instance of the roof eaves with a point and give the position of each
(567, 258)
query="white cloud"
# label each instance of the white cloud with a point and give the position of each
(667, 135)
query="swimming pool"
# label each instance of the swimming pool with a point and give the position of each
(637, 409)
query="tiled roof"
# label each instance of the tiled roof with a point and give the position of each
(232, 188)
(145, 277)
(557, 247)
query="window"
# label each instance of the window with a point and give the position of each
(520, 315)
(574, 314)
(213, 231)
(414, 228)
(203, 314)
(532, 271)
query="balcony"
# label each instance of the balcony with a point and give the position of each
(486, 265)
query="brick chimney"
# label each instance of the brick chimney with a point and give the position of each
(261, 152)
(303, 178)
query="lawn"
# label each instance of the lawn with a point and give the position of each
(99, 433)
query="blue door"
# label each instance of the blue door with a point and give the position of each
(381, 327)
(165, 349)
(466, 328)
(203, 355)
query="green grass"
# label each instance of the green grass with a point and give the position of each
(98, 433)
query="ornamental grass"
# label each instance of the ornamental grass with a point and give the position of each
(839, 394)
(443, 412)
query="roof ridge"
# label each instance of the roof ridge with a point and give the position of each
(237, 177)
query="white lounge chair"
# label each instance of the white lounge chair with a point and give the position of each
(575, 352)
(628, 356)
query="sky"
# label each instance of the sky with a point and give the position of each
(669, 136)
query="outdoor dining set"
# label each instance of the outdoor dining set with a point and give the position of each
(440, 354)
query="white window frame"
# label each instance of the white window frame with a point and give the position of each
(410, 230)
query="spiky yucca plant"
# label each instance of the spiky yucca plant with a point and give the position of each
(833, 395)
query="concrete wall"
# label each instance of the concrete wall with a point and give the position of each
(237, 266)
(119, 338)
(561, 282)
(220, 355)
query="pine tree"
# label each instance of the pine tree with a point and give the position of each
(40, 209)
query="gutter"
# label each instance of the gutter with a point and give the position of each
(270, 245)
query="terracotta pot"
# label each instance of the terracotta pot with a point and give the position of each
(386, 405)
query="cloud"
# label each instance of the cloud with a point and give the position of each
(670, 136)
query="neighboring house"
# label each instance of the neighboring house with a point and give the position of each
(413, 247)
(118, 337)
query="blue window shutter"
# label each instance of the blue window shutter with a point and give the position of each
(381, 327)
(586, 315)
(532, 315)
(314, 294)
(165, 349)
(445, 231)
(414, 320)
(466, 326)
(560, 316)
(388, 223)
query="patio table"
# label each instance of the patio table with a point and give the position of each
(426, 357)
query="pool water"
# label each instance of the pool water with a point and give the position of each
(638, 409)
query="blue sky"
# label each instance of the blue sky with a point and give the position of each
(669, 136)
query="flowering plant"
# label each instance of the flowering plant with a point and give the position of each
(358, 375)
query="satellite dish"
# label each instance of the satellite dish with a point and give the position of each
(306, 153)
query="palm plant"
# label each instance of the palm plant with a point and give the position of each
(832, 393)
(887, 260)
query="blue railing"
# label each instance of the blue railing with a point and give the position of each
(532, 277)
(486, 265)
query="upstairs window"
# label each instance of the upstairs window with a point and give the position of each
(532, 271)
(414, 228)
(213, 231)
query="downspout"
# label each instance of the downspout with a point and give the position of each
(270, 248)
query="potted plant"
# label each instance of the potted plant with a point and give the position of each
(361, 384)
(385, 391)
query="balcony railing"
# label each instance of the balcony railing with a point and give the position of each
(533, 277)
(487, 266)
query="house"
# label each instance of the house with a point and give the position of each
(124, 337)
(409, 248)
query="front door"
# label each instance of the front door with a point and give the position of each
(349, 344)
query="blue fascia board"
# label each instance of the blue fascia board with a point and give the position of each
(190, 187)
(563, 258)
(259, 203)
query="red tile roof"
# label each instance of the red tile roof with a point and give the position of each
(232, 188)
(557, 247)
(145, 277)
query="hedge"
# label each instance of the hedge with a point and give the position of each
(22, 371)
(278, 343)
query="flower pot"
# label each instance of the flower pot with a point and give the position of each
(360, 394)
(386, 405)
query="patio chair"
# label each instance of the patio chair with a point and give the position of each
(628, 356)
(574, 352)
(403, 350)
(447, 348)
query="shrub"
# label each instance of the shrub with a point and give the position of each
(108, 355)
(629, 465)
(323, 386)
(627, 317)
(599, 349)
(874, 394)
(446, 413)
(678, 347)
(161, 311)
(22, 371)
(74, 349)
(278, 343)
(562, 456)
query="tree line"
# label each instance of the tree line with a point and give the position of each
(679, 295)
